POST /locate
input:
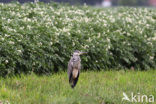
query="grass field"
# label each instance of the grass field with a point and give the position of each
(105, 87)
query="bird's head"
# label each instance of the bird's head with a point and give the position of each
(78, 53)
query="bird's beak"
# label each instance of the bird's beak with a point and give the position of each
(81, 53)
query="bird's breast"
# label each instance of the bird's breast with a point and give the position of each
(76, 64)
(75, 73)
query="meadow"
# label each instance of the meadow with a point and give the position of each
(104, 87)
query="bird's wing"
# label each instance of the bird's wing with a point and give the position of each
(70, 64)
(79, 66)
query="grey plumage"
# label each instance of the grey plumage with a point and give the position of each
(74, 67)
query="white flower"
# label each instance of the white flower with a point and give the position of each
(89, 40)
(6, 61)
(99, 35)
(128, 19)
(73, 44)
(154, 38)
(19, 40)
(128, 34)
(51, 43)
(19, 51)
(21, 28)
(11, 42)
(151, 57)
(40, 43)
(65, 30)
(9, 20)
(109, 47)
(29, 27)
(108, 40)
(6, 35)
(2, 39)
(86, 19)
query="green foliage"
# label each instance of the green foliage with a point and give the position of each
(132, 2)
(92, 88)
(41, 37)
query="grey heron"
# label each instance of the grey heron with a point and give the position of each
(74, 67)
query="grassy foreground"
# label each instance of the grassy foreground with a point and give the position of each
(92, 88)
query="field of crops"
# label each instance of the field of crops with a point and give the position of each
(41, 37)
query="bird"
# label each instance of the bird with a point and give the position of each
(74, 67)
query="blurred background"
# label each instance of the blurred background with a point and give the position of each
(100, 3)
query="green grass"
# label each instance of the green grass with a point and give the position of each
(105, 87)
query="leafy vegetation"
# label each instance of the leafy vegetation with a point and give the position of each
(41, 37)
(133, 2)
(92, 88)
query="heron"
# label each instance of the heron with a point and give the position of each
(74, 67)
